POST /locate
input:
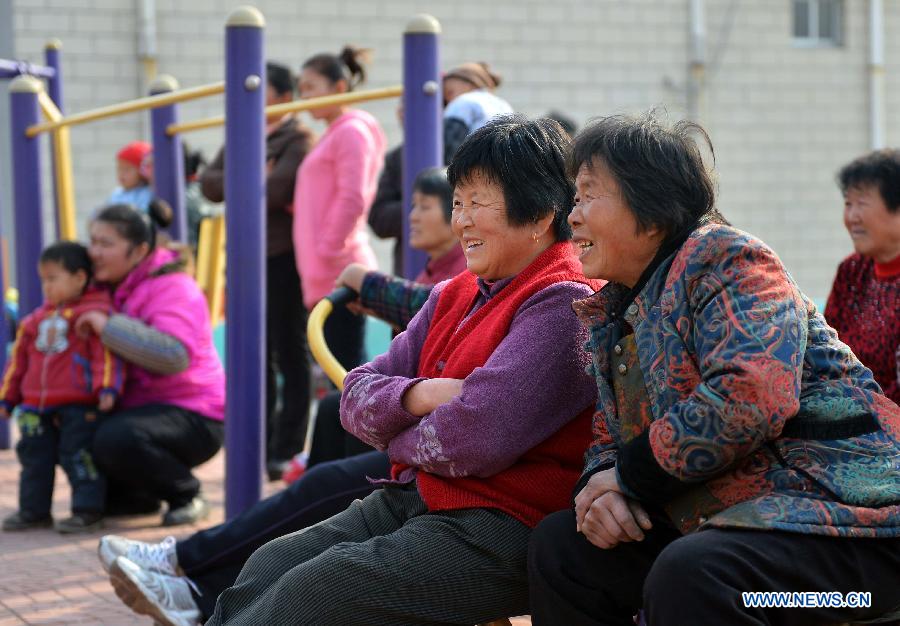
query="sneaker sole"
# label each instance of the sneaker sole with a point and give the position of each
(29, 526)
(129, 591)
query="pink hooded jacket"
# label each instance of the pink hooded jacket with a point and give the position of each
(173, 304)
(336, 184)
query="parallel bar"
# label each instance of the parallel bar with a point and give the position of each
(245, 218)
(297, 105)
(62, 167)
(140, 104)
(29, 212)
(422, 103)
(168, 158)
(54, 89)
(11, 69)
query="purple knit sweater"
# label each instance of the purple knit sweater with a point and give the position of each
(533, 384)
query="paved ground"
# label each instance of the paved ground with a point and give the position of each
(46, 578)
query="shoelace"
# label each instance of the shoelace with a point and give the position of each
(155, 554)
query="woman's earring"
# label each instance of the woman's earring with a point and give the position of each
(535, 237)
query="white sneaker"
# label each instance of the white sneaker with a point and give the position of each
(167, 599)
(156, 557)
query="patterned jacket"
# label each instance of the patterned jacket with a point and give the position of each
(759, 416)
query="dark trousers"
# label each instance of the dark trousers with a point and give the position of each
(698, 578)
(385, 560)
(213, 558)
(287, 354)
(330, 441)
(61, 436)
(151, 450)
(345, 335)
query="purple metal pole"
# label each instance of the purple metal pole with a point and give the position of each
(54, 90)
(245, 223)
(423, 143)
(168, 158)
(11, 69)
(26, 160)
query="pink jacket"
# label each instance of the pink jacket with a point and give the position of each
(336, 184)
(173, 304)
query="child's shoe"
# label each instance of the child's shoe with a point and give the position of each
(22, 521)
(82, 522)
(193, 511)
(295, 469)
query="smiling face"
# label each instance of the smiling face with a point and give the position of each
(875, 231)
(112, 254)
(428, 228)
(605, 231)
(494, 248)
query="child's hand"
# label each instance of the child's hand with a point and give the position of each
(107, 402)
(91, 322)
(4, 414)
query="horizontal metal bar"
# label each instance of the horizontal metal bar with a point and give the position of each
(295, 106)
(140, 104)
(11, 69)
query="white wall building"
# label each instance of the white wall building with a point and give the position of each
(784, 91)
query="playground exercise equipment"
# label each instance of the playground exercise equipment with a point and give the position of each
(244, 121)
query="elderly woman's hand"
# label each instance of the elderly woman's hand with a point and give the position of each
(425, 396)
(613, 519)
(91, 322)
(599, 484)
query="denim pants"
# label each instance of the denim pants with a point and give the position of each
(63, 436)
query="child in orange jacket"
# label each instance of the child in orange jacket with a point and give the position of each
(58, 381)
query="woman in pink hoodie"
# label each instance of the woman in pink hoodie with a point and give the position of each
(173, 404)
(336, 184)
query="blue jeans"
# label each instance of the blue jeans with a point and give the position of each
(64, 436)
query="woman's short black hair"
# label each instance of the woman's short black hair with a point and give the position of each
(879, 169)
(527, 158)
(659, 168)
(279, 78)
(433, 182)
(71, 255)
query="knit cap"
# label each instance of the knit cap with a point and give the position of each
(134, 152)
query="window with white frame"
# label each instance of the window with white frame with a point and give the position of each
(818, 22)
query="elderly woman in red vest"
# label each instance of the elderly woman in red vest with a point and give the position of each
(483, 405)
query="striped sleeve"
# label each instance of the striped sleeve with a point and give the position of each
(140, 344)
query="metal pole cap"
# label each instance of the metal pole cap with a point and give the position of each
(163, 84)
(53, 44)
(25, 84)
(246, 16)
(423, 23)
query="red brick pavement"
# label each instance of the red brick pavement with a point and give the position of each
(47, 578)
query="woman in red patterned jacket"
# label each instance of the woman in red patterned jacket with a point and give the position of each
(864, 305)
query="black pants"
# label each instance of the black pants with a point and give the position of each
(286, 354)
(151, 450)
(345, 335)
(698, 578)
(330, 441)
(213, 558)
(61, 436)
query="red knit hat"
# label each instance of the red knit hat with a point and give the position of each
(135, 152)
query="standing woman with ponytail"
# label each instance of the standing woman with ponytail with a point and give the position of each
(335, 186)
(170, 416)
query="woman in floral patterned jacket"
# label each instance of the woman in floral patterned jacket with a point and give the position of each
(726, 405)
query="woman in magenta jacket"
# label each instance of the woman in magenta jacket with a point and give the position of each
(336, 184)
(171, 413)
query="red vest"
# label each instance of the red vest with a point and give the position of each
(541, 481)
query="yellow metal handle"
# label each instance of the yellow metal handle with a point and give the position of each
(315, 332)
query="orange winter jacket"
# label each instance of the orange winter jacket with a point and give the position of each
(51, 366)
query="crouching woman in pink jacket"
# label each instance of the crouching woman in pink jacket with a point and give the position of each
(170, 416)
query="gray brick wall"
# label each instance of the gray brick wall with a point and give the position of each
(782, 119)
